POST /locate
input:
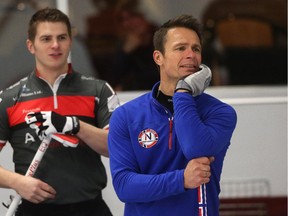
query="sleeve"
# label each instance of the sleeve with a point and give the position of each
(129, 183)
(4, 124)
(106, 103)
(203, 128)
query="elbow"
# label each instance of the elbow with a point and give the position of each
(122, 197)
(105, 153)
(122, 194)
(123, 189)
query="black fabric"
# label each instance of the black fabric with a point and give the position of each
(96, 207)
(165, 100)
(58, 121)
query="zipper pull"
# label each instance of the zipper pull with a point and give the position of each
(170, 133)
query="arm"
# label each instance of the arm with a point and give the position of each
(94, 137)
(52, 122)
(31, 189)
(97, 137)
(6, 177)
(128, 181)
(132, 184)
(129, 184)
(47, 122)
(204, 127)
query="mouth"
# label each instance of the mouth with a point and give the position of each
(55, 54)
(190, 67)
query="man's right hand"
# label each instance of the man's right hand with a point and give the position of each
(48, 122)
(197, 172)
(33, 190)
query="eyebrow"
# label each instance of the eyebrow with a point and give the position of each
(185, 44)
(197, 45)
(180, 44)
(49, 35)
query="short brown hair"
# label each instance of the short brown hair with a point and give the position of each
(47, 15)
(186, 21)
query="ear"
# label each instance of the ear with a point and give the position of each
(30, 46)
(157, 56)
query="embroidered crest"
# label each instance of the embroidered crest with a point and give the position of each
(148, 138)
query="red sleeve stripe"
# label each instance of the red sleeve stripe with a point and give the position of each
(2, 143)
(67, 105)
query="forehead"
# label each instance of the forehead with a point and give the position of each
(182, 35)
(51, 28)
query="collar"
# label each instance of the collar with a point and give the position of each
(69, 71)
(165, 100)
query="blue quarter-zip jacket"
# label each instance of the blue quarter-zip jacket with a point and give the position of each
(150, 147)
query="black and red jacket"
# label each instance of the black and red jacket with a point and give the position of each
(76, 174)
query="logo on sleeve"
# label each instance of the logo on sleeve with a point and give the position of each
(147, 138)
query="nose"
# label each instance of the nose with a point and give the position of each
(190, 53)
(55, 44)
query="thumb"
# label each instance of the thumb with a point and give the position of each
(211, 159)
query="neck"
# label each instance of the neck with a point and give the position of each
(50, 74)
(165, 100)
(166, 88)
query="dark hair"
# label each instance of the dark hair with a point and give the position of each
(186, 21)
(47, 15)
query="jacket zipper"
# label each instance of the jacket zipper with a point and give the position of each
(170, 132)
(54, 88)
(170, 119)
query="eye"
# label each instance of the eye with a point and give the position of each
(62, 37)
(180, 48)
(45, 39)
(196, 49)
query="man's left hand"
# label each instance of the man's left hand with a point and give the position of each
(197, 82)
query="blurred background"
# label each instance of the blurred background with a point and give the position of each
(245, 46)
(245, 40)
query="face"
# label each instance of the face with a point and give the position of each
(51, 46)
(182, 55)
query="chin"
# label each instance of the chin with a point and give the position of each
(189, 72)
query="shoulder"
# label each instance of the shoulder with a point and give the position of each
(14, 89)
(84, 78)
(11, 95)
(135, 106)
(135, 110)
(209, 102)
(143, 100)
(88, 82)
(206, 99)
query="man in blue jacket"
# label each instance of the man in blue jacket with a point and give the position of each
(167, 147)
